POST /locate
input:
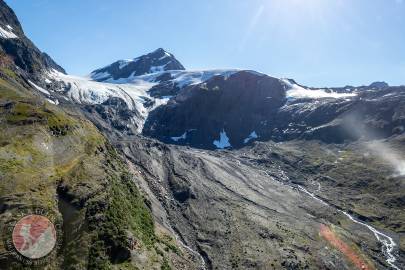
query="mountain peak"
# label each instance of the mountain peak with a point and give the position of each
(160, 53)
(156, 61)
(379, 85)
(159, 50)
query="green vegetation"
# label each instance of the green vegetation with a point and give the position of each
(57, 160)
(28, 113)
(8, 91)
(128, 211)
(8, 72)
(125, 212)
(10, 165)
(169, 244)
(165, 265)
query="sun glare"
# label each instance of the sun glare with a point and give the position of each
(298, 9)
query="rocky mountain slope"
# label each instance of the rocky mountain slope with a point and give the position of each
(127, 161)
(247, 107)
(336, 180)
(342, 173)
(266, 207)
(15, 44)
(158, 60)
(53, 159)
(56, 160)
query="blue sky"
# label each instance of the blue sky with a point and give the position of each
(316, 42)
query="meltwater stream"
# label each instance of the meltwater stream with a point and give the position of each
(387, 242)
(183, 243)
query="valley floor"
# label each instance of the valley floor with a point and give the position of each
(294, 205)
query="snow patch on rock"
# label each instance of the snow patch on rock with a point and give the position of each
(223, 141)
(125, 62)
(182, 137)
(7, 34)
(40, 89)
(166, 54)
(55, 102)
(295, 91)
(251, 136)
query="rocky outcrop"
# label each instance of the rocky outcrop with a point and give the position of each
(22, 51)
(236, 105)
(113, 116)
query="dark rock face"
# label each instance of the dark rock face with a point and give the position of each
(22, 51)
(112, 116)
(371, 115)
(247, 102)
(236, 105)
(158, 60)
(166, 86)
(8, 17)
(379, 85)
(50, 63)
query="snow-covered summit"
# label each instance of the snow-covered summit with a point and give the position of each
(156, 61)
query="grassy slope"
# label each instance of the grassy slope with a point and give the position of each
(54, 159)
